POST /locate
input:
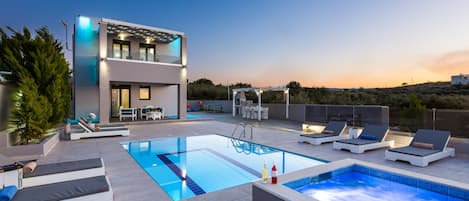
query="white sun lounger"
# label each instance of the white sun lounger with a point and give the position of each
(88, 189)
(435, 142)
(336, 127)
(372, 137)
(63, 171)
(89, 132)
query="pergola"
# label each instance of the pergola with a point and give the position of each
(259, 92)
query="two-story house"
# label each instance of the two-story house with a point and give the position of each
(118, 64)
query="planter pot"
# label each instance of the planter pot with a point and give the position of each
(30, 151)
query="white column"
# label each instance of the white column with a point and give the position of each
(234, 107)
(259, 99)
(287, 93)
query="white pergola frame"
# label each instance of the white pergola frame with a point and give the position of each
(259, 91)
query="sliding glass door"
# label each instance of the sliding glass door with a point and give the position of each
(120, 96)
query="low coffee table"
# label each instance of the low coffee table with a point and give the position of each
(153, 115)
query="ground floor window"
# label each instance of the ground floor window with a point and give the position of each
(145, 93)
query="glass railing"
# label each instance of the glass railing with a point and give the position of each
(168, 59)
(455, 121)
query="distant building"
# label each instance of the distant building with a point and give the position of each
(462, 79)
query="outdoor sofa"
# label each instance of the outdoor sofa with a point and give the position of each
(372, 137)
(426, 146)
(332, 132)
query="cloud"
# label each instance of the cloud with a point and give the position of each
(451, 63)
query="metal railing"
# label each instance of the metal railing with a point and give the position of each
(242, 133)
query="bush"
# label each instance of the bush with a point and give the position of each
(41, 78)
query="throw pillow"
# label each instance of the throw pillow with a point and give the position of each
(422, 145)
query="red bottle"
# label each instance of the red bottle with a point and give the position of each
(274, 174)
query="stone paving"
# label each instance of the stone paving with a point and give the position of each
(130, 182)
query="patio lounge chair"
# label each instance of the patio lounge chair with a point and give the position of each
(372, 137)
(89, 189)
(101, 126)
(63, 171)
(427, 146)
(102, 132)
(331, 133)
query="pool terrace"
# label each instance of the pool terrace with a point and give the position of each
(130, 182)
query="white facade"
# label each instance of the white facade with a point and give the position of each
(462, 79)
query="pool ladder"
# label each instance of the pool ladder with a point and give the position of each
(243, 128)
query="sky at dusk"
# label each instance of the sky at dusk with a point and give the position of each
(334, 43)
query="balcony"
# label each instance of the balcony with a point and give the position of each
(139, 43)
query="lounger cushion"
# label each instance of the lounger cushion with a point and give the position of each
(55, 168)
(422, 145)
(321, 135)
(337, 127)
(113, 129)
(438, 138)
(64, 190)
(415, 151)
(357, 141)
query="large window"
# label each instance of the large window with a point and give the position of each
(121, 49)
(147, 52)
(145, 93)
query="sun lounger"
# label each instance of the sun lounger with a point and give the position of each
(88, 122)
(102, 132)
(332, 132)
(63, 171)
(372, 137)
(89, 189)
(427, 146)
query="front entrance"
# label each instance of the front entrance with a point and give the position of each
(120, 96)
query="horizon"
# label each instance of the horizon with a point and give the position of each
(334, 44)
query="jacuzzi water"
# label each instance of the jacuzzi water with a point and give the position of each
(354, 185)
(188, 166)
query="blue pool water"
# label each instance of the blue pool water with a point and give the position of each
(188, 166)
(358, 185)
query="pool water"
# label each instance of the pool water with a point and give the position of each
(360, 186)
(188, 166)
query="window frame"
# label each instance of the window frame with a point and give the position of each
(140, 92)
(147, 46)
(121, 43)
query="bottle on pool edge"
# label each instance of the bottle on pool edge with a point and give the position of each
(274, 174)
(264, 174)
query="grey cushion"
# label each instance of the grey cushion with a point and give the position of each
(357, 141)
(414, 151)
(336, 126)
(63, 190)
(320, 135)
(438, 138)
(62, 167)
(113, 129)
(377, 131)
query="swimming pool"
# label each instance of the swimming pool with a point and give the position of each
(188, 166)
(362, 183)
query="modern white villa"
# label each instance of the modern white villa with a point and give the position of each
(125, 66)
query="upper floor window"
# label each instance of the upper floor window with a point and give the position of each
(121, 49)
(147, 52)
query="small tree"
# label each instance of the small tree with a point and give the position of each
(412, 116)
(41, 78)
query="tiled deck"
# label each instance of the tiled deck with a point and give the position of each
(130, 182)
